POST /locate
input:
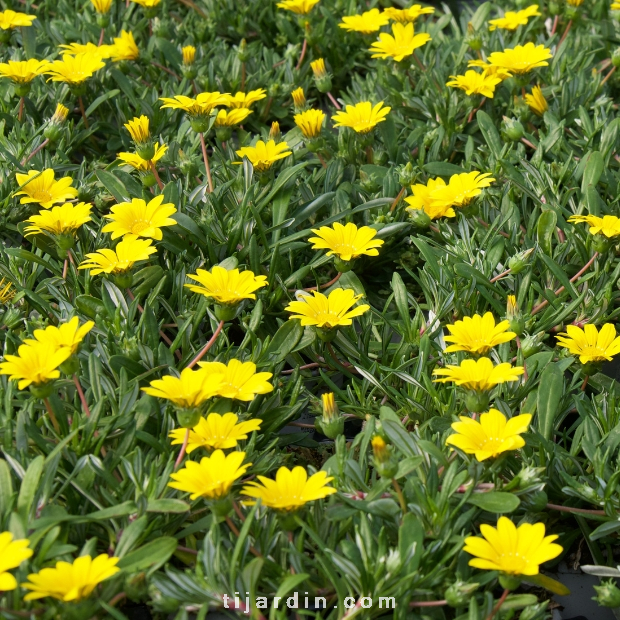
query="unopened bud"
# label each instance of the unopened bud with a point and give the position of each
(601, 243)
(532, 344)
(385, 464)
(520, 261)
(322, 79)
(512, 129)
(529, 476)
(146, 150)
(274, 133)
(514, 316)
(331, 423)
(189, 55)
(607, 594)
(299, 99)
(419, 218)
(406, 174)
(459, 593)
(242, 51)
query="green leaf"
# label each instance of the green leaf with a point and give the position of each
(167, 505)
(498, 502)
(113, 512)
(97, 102)
(113, 185)
(545, 229)
(32, 258)
(150, 556)
(285, 340)
(290, 583)
(442, 169)
(550, 391)
(548, 583)
(410, 541)
(593, 170)
(490, 133)
(6, 487)
(519, 601)
(133, 368)
(29, 486)
(560, 274)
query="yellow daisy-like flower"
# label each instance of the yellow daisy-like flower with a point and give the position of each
(138, 128)
(35, 363)
(479, 375)
(216, 432)
(299, 98)
(477, 334)
(366, 23)
(71, 582)
(66, 336)
(139, 218)
(142, 165)
(230, 118)
(536, 101)
(75, 69)
(513, 19)
(421, 200)
(615, 6)
(408, 15)
(23, 71)
(189, 390)
(201, 105)
(63, 220)
(327, 312)
(226, 286)
(346, 242)
(245, 100)
(189, 55)
(401, 43)
(12, 554)
(461, 189)
(102, 6)
(12, 19)
(212, 477)
(291, 489)
(147, 4)
(361, 117)
(43, 188)
(310, 122)
(124, 47)
(120, 260)
(474, 83)
(575, 3)
(512, 550)
(608, 225)
(521, 59)
(488, 69)
(103, 51)
(6, 291)
(301, 7)
(590, 344)
(238, 380)
(491, 436)
(264, 155)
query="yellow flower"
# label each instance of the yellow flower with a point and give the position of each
(366, 23)
(521, 59)
(408, 15)
(510, 549)
(491, 436)
(318, 68)
(12, 554)
(291, 489)
(66, 336)
(134, 160)
(513, 19)
(299, 99)
(590, 344)
(63, 220)
(71, 582)
(310, 122)
(536, 101)
(608, 225)
(477, 334)
(264, 155)
(147, 4)
(327, 312)
(189, 390)
(361, 117)
(35, 363)
(138, 129)
(139, 218)
(479, 375)
(216, 432)
(301, 7)
(44, 189)
(422, 200)
(212, 477)
(226, 286)
(189, 54)
(128, 252)
(461, 189)
(6, 291)
(401, 44)
(230, 118)
(346, 242)
(102, 6)
(474, 83)
(238, 380)
(75, 69)
(202, 105)
(23, 71)
(615, 6)
(103, 51)
(488, 70)
(124, 47)
(245, 100)
(12, 19)
(575, 3)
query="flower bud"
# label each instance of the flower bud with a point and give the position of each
(474, 40)
(188, 417)
(242, 51)
(222, 507)
(406, 174)
(322, 79)
(326, 334)
(187, 165)
(459, 593)
(512, 129)
(331, 423)
(274, 133)
(22, 88)
(607, 594)
(299, 99)
(419, 218)
(532, 344)
(477, 402)
(529, 476)
(520, 261)
(70, 366)
(534, 612)
(385, 463)
(136, 586)
(103, 21)
(514, 316)
(148, 180)
(146, 150)
(223, 134)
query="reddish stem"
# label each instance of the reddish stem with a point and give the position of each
(203, 146)
(584, 385)
(156, 175)
(397, 199)
(556, 19)
(51, 415)
(305, 367)
(500, 276)
(304, 48)
(578, 511)
(20, 114)
(35, 151)
(80, 392)
(81, 104)
(235, 531)
(474, 110)
(207, 346)
(182, 450)
(429, 603)
(321, 160)
(498, 605)
(64, 269)
(611, 72)
(570, 23)
(333, 100)
(324, 286)
(101, 36)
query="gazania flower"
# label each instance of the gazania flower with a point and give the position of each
(63, 220)
(245, 100)
(488, 69)
(34, 364)
(299, 98)
(327, 312)
(12, 554)
(301, 7)
(226, 286)
(216, 432)
(401, 43)
(291, 489)
(23, 71)
(421, 200)
(361, 117)
(366, 23)
(608, 225)
(147, 4)
(6, 291)
(230, 118)
(477, 334)
(74, 69)
(189, 390)
(212, 477)
(474, 83)
(71, 582)
(615, 6)
(590, 344)
(521, 59)
(575, 3)
(346, 242)
(138, 128)
(189, 55)
(142, 165)
(512, 550)
(264, 155)
(479, 375)
(124, 47)
(66, 336)
(310, 122)
(120, 260)
(513, 19)
(103, 51)
(238, 380)
(408, 15)
(12, 19)
(491, 436)
(461, 189)
(43, 188)
(201, 105)
(102, 6)
(536, 101)
(139, 218)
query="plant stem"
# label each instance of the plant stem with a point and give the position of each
(584, 385)
(498, 277)
(474, 110)
(80, 392)
(65, 267)
(333, 100)
(51, 415)
(182, 450)
(235, 531)
(498, 605)
(429, 603)
(206, 160)
(324, 286)
(20, 114)
(397, 199)
(556, 19)
(321, 160)
(35, 151)
(207, 346)
(611, 72)
(119, 597)
(304, 47)
(81, 104)
(243, 76)
(401, 497)
(577, 511)
(156, 175)
(101, 36)
(570, 23)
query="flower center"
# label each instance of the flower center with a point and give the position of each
(594, 353)
(139, 226)
(42, 195)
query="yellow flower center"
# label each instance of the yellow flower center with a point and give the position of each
(139, 226)
(594, 353)
(42, 195)
(513, 563)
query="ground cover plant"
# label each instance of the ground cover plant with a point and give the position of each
(310, 301)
